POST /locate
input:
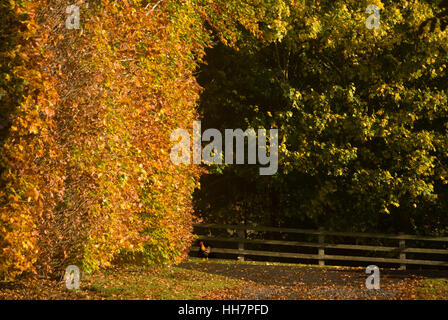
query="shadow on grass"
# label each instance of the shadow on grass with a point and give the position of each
(286, 275)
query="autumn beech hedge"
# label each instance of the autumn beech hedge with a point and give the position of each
(85, 122)
(87, 116)
(86, 173)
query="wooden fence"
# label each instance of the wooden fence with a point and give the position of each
(237, 236)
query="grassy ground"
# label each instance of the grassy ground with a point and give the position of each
(151, 283)
(432, 289)
(128, 282)
(231, 279)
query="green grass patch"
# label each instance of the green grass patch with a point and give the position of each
(137, 283)
(433, 289)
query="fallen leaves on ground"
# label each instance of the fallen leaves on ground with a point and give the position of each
(221, 280)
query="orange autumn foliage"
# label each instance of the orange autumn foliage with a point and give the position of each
(86, 118)
(86, 172)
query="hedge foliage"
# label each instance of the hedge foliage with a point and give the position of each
(85, 122)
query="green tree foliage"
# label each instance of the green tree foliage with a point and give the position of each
(362, 117)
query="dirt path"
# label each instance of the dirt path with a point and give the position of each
(299, 282)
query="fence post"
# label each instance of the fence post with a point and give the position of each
(241, 235)
(402, 246)
(321, 251)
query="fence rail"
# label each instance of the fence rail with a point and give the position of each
(322, 243)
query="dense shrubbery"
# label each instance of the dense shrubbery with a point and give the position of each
(85, 167)
(86, 117)
(85, 124)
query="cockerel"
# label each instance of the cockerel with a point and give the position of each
(204, 251)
